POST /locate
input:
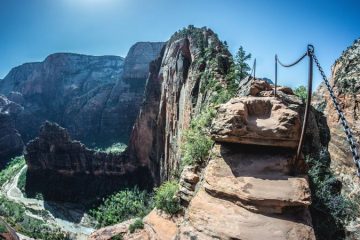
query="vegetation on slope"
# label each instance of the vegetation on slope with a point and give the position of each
(122, 206)
(329, 209)
(12, 168)
(165, 198)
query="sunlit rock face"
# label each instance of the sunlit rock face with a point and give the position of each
(346, 81)
(60, 168)
(11, 143)
(86, 94)
(173, 96)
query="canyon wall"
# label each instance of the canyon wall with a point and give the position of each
(11, 143)
(60, 168)
(346, 81)
(86, 94)
(174, 94)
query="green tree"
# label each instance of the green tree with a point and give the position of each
(301, 92)
(241, 59)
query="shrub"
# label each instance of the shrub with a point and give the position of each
(301, 92)
(329, 209)
(138, 224)
(197, 143)
(117, 237)
(165, 198)
(122, 206)
(3, 228)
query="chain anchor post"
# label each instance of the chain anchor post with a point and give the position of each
(276, 65)
(310, 53)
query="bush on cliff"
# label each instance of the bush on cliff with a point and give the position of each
(122, 206)
(301, 92)
(165, 198)
(137, 224)
(330, 210)
(197, 145)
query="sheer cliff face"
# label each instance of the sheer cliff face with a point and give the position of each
(172, 97)
(346, 81)
(11, 143)
(86, 94)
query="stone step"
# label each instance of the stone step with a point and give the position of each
(255, 181)
(264, 121)
(222, 219)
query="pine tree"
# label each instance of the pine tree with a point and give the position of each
(242, 66)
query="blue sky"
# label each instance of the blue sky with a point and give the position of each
(32, 29)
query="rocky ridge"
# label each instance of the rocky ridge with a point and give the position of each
(96, 98)
(175, 92)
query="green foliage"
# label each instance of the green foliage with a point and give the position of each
(301, 92)
(11, 169)
(138, 224)
(122, 206)
(241, 64)
(116, 148)
(14, 214)
(330, 210)
(3, 228)
(117, 237)
(165, 198)
(197, 142)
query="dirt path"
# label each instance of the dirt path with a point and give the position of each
(78, 231)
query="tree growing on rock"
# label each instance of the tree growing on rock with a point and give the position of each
(241, 59)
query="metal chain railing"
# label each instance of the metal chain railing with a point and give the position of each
(312, 57)
(343, 121)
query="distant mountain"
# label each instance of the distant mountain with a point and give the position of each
(86, 94)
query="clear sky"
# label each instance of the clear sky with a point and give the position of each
(32, 29)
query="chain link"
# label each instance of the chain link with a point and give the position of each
(343, 121)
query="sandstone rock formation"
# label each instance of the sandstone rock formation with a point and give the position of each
(173, 96)
(248, 189)
(258, 120)
(346, 81)
(59, 168)
(86, 94)
(11, 143)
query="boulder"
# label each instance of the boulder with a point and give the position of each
(258, 120)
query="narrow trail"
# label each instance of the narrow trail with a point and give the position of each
(77, 231)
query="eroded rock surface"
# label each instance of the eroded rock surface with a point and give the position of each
(257, 120)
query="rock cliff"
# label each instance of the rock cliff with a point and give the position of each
(175, 92)
(250, 188)
(86, 94)
(68, 166)
(346, 81)
(11, 143)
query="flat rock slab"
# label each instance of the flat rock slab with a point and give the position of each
(223, 219)
(257, 189)
(258, 120)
